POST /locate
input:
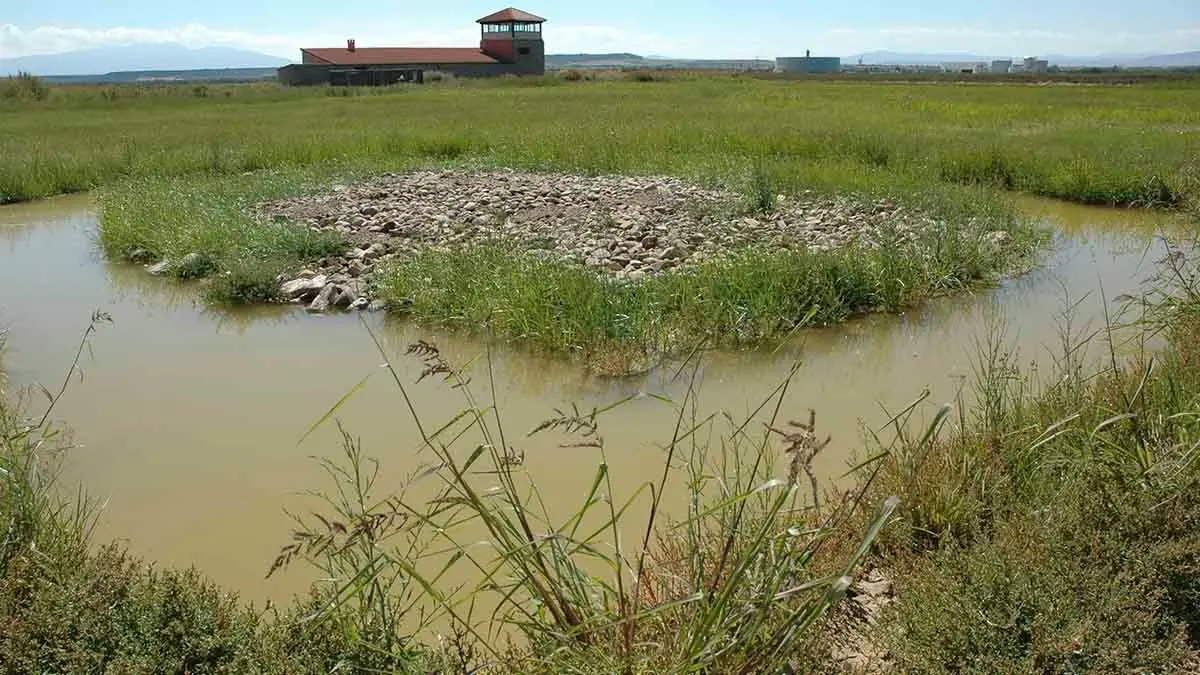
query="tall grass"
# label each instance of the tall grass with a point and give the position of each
(610, 585)
(1104, 145)
(24, 86)
(745, 298)
(35, 521)
(210, 230)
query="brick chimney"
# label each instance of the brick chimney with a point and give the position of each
(350, 45)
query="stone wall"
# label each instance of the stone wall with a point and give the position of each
(322, 73)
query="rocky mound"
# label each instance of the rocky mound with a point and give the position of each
(623, 227)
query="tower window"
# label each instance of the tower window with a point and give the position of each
(523, 51)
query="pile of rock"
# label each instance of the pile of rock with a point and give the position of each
(623, 227)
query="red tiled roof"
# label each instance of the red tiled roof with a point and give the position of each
(362, 56)
(511, 14)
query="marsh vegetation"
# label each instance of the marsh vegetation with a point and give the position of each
(1042, 522)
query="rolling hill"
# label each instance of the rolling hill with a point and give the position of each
(156, 57)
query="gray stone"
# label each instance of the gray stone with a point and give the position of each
(302, 289)
(325, 298)
(359, 304)
(356, 268)
(160, 267)
(343, 298)
(374, 251)
(602, 222)
(139, 255)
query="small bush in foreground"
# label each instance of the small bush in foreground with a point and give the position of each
(1024, 600)
(1056, 530)
(243, 284)
(195, 266)
(111, 614)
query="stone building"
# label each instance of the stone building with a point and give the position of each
(510, 43)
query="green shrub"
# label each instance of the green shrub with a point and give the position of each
(24, 86)
(1026, 600)
(109, 614)
(443, 149)
(762, 194)
(195, 266)
(243, 284)
(981, 168)
(1055, 531)
(646, 76)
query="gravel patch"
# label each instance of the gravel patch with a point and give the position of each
(622, 227)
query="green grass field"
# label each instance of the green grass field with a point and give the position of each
(1095, 144)
(176, 164)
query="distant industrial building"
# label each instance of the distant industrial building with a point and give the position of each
(808, 64)
(966, 68)
(998, 67)
(1036, 65)
(510, 43)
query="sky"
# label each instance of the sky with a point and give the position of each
(676, 28)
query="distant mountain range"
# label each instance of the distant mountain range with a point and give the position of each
(159, 57)
(177, 62)
(1185, 59)
(626, 60)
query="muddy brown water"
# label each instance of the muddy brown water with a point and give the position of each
(188, 420)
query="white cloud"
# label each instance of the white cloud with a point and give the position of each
(15, 41)
(18, 41)
(595, 38)
(946, 38)
(599, 39)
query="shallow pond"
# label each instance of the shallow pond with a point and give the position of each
(189, 420)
